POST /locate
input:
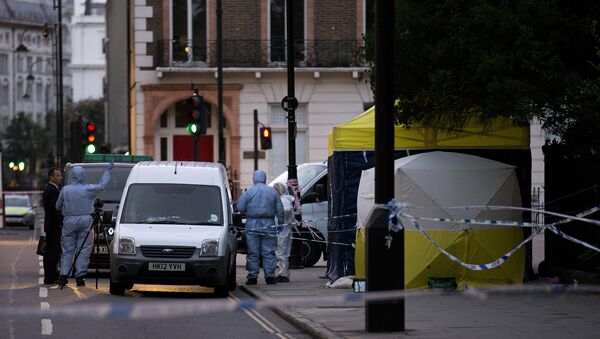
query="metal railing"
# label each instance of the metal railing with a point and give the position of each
(258, 53)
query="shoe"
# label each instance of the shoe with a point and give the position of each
(251, 281)
(62, 281)
(80, 281)
(270, 280)
(282, 279)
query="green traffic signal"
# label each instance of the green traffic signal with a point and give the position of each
(90, 149)
(192, 128)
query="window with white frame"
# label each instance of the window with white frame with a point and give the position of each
(278, 29)
(189, 30)
(278, 156)
(39, 93)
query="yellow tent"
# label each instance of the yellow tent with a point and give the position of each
(500, 140)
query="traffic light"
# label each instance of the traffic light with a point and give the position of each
(197, 115)
(90, 138)
(265, 138)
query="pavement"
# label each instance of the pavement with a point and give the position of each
(518, 314)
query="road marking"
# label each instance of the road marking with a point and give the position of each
(41, 263)
(41, 271)
(264, 322)
(44, 305)
(43, 292)
(41, 281)
(46, 327)
(75, 290)
(40, 257)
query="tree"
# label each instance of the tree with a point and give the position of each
(457, 59)
(25, 141)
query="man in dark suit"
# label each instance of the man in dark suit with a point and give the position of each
(52, 226)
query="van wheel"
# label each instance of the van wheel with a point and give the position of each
(117, 289)
(231, 279)
(311, 253)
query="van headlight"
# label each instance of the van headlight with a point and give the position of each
(210, 248)
(126, 246)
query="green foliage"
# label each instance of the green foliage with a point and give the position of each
(459, 59)
(25, 140)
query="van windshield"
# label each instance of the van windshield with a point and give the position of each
(306, 173)
(178, 204)
(114, 189)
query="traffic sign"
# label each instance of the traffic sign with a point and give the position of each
(289, 103)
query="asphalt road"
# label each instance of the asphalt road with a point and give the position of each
(147, 311)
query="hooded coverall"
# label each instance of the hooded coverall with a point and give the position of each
(76, 201)
(261, 204)
(284, 238)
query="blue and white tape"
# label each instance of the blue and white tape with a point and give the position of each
(396, 211)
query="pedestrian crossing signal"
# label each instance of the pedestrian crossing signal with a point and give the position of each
(265, 138)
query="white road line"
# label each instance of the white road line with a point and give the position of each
(43, 292)
(262, 321)
(41, 271)
(40, 257)
(44, 305)
(46, 327)
(41, 263)
(41, 281)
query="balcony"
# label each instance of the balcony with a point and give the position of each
(258, 53)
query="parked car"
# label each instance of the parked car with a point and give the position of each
(175, 226)
(312, 178)
(19, 210)
(110, 197)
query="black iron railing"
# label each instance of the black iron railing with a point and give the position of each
(259, 53)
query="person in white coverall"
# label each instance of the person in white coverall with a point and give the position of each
(76, 202)
(284, 236)
(261, 204)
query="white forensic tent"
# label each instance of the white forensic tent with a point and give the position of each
(435, 180)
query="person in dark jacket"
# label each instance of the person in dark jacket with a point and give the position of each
(52, 226)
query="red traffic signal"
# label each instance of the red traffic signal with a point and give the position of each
(90, 127)
(265, 138)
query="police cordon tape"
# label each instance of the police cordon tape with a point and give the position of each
(396, 213)
(183, 308)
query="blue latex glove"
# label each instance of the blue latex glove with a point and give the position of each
(111, 165)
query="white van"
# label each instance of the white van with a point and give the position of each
(174, 226)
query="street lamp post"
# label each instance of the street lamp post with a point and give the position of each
(59, 68)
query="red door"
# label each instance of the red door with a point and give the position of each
(183, 148)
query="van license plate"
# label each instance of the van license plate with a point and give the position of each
(161, 266)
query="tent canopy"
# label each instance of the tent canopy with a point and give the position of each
(351, 150)
(435, 180)
(358, 134)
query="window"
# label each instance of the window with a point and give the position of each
(278, 156)
(163, 149)
(277, 28)
(20, 88)
(173, 204)
(189, 22)
(4, 64)
(4, 93)
(38, 93)
(164, 119)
